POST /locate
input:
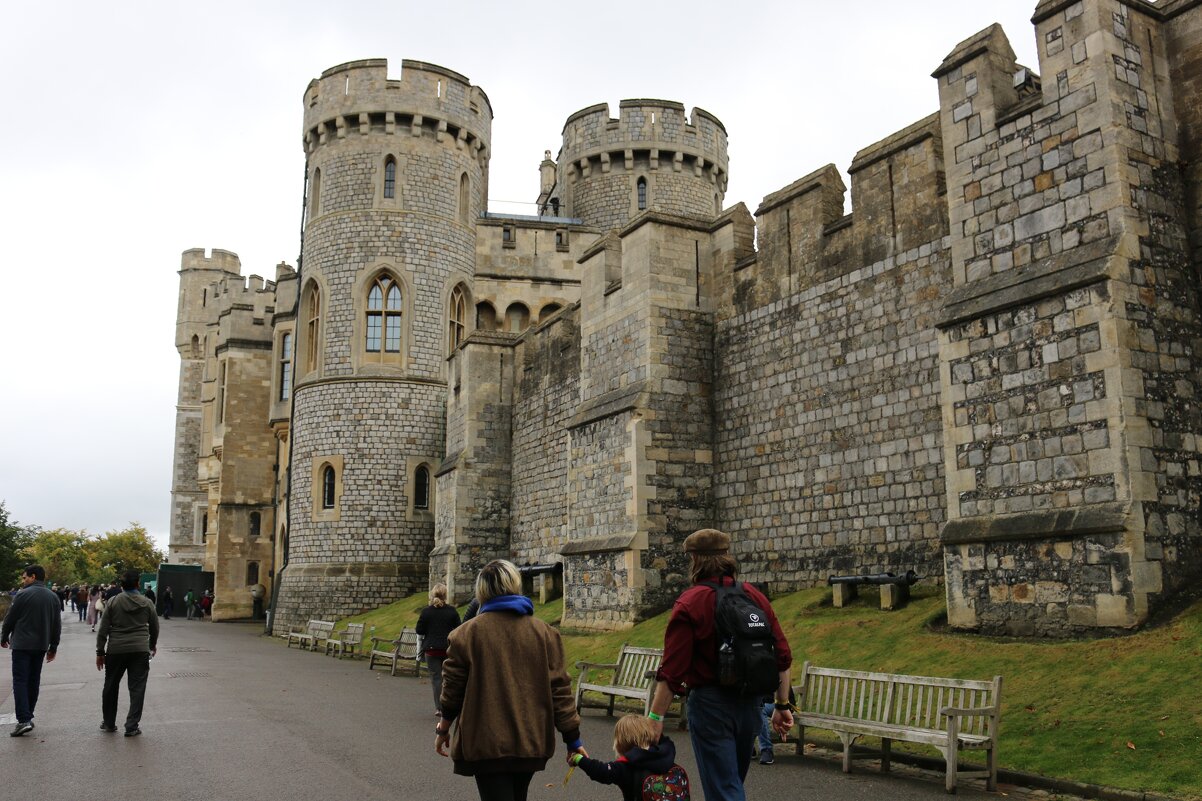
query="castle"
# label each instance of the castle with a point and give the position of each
(988, 372)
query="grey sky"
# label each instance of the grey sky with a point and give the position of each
(133, 131)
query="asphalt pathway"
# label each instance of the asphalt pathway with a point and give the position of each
(232, 715)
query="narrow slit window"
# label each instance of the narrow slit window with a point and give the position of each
(285, 367)
(327, 487)
(315, 194)
(256, 521)
(421, 488)
(312, 330)
(390, 177)
(221, 394)
(252, 573)
(642, 192)
(464, 198)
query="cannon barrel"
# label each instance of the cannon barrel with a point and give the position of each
(908, 579)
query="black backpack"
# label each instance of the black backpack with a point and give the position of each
(746, 644)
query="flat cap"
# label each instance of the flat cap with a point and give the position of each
(707, 542)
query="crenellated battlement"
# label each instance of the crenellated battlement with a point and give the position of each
(358, 98)
(198, 259)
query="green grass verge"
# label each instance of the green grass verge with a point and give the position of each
(1124, 712)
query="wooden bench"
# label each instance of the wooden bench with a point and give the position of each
(951, 714)
(633, 676)
(401, 653)
(346, 641)
(316, 631)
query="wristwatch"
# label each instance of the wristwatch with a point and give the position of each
(783, 707)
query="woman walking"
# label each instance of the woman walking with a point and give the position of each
(435, 625)
(506, 690)
(93, 611)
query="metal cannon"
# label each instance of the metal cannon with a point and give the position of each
(895, 590)
(909, 579)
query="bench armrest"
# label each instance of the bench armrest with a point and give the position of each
(597, 665)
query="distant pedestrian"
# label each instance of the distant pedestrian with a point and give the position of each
(206, 603)
(150, 594)
(435, 625)
(190, 604)
(81, 600)
(126, 642)
(168, 603)
(94, 598)
(33, 625)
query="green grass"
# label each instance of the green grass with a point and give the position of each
(1070, 709)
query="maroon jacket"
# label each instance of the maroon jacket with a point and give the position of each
(691, 639)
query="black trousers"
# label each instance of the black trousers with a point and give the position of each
(137, 666)
(503, 786)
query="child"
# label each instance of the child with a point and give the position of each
(644, 769)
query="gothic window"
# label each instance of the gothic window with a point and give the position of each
(312, 328)
(642, 190)
(285, 366)
(421, 488)
(384, 315)
(252, 573)
(390, 177)
(315, 194)
(457, 324)
(327, 487)
(465, 187)
(255, 524)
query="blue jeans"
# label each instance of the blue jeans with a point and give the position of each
(721, 728)
(765, 735)
(27, 679)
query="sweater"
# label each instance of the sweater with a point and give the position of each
(629, 770)
(34, 621)
(435, 624)
(505, 684)
(129, 626)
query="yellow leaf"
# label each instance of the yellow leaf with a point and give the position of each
(1131, 745)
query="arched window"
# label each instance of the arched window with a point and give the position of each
(285, 366)
(517, 317)
(390, 177)
(315, 194)
(547, 311)
(195, 346)
(252, 573)
(255, 524)
(465, 187)
(421, 488)
(327, 487)
(486, 316)
(457, 319)
(642, 190)
(384, 315)
(312, 328)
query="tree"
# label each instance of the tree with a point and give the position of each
(64, 555)
(14, 539)
(118, 551)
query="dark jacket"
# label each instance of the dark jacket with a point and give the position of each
(34, 621)
(436, 624)
(129, 625)
(629, 770)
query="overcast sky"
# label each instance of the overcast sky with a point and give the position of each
(133, 131)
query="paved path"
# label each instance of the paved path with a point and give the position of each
(232, 715)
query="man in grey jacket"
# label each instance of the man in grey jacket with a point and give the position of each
(32, 626)
(128, 638)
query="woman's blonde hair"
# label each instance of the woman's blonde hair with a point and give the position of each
(438, 595)
(498, 577)
(633, 731)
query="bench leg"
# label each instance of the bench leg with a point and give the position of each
(612, 698)
(848, 738)
(886, 745)
(953, 757)
(991, 766)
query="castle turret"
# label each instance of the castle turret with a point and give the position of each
(651, 157)
(398, 173)
(197, 311)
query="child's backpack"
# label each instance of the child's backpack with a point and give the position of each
(670, 786)
(746, 644)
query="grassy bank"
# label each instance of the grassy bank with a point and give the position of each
(1125, 712)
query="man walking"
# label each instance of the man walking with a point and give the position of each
(33, 626)
(723, 718)
(190, 603)
(128, 638)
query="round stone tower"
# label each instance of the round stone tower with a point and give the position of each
(397, 175)
(652, 157)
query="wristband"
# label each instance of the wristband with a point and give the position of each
(655, 717)
(783, 707)
(576, 758)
